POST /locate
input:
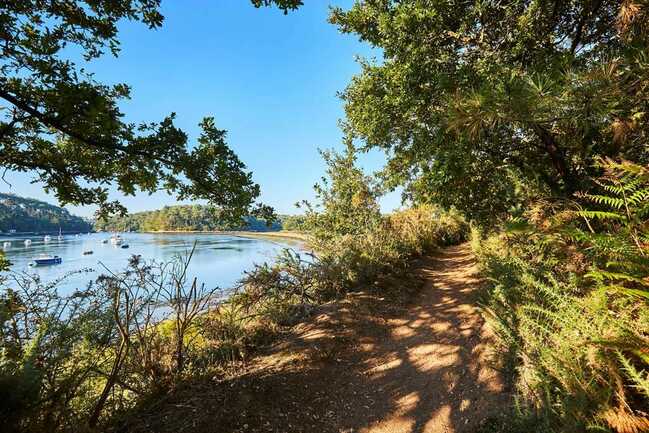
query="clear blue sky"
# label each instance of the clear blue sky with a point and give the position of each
(269, 79)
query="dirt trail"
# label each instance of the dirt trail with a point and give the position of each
(364, 365)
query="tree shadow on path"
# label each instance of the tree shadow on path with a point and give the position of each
(363, 365)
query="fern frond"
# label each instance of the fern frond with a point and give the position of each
(614, 202)
(601, 275)
(639, 196)
(640, 379)
(598, 214)
(644, 294)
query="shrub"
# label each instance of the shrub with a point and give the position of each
(568, 300)
(71, 361)
(283, 291)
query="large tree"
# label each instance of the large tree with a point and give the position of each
(480, 104)
(60, 123)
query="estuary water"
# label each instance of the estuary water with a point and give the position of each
(219, 259)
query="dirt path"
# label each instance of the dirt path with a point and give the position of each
(364, 365)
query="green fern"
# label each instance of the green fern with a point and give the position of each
(570, 298)
(640, 379)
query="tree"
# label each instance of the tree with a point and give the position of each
(284, 5)
(60, 123)
(346, 198)
(478, 104)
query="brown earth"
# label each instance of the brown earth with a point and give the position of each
(362, 364)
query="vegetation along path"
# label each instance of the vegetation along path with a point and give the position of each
(363, 365)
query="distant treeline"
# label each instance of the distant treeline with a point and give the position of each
(30, 215)
(188, 218)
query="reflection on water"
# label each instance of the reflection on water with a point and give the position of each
(219, 260)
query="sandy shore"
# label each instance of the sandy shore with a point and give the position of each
(282, 234)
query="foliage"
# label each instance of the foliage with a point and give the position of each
(569, 302)
(295, 223)
(29, 215)
(50, 346)
(346, 200)
(487, 105)
(78, 359)
(61, 123)
(356, 248)
(182, 218)
(375, 260)
(284, 5)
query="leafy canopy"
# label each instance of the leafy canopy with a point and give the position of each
(60, 123)
(484, 104)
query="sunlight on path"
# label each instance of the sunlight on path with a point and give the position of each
(434, 366)
(362, 364)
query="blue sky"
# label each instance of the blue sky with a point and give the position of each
(269, 79)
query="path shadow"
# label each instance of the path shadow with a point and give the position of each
(362, 365)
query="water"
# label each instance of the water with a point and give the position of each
(219, 260)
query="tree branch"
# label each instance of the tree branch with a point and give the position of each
(55, 124)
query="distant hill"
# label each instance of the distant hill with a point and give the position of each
(29, 215)
(179, 218)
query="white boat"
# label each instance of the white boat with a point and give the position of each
(44, 259)
(115, 239)
(28, 242)
(6, 245)
(47, 238)
(60, 236)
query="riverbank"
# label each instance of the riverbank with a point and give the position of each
(282, 234)
(298, 236)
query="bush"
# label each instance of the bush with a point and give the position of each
(283, 291)
(568, 300)
(70, 362)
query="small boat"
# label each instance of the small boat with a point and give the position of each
(28, 242)
(44, 260)
(116, 239)
(104, 241)
(47, 238)
(60, 236)
(124, 246)
(87, 252)
(6, 245)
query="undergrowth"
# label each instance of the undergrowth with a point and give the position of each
(569, 299)
(378, 260)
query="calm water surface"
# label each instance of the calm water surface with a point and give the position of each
(219, 260)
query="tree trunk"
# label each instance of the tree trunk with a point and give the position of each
(558, 158)
(110, 383)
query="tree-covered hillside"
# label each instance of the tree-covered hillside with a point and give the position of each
(180, 218)
(30, 215)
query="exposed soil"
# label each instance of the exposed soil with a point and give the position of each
(360, 365)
